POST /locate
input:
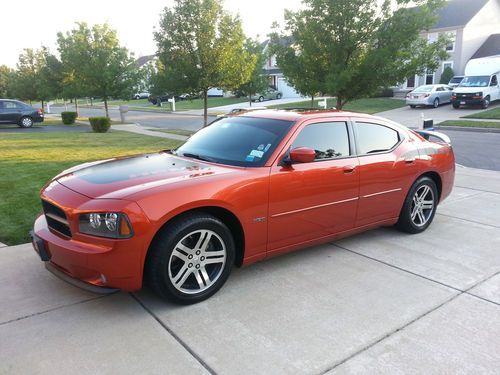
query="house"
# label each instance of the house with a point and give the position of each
(276, 78)
(473, 26)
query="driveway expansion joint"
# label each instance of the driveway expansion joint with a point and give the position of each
(174, 335)
(469, 221)
(386, 336)
(52, 309)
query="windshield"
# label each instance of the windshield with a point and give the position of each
(240, 141)
(423, 89)
(456, 80)
(475, 81)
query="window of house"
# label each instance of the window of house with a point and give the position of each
(372, 138)
(429, 77)
(450, 47)
(447, 64)
(329, 140)
(432, 37)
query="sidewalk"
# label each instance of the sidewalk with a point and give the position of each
(380, 302)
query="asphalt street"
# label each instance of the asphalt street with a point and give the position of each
(150, 119)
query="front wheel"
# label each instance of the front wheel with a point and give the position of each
(278, 96)
(486, 102)
(435, 104)
(191, 259)
(137, 97)
(412, 106)
(26, 122)
(419, 206)
(261, 99)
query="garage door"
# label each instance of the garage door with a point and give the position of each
(287, 90)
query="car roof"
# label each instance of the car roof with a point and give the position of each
(295, 114)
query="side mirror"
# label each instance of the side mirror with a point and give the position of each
(302, 155)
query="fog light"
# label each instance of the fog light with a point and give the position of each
(104, 280)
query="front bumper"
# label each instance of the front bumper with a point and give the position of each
(98, 263)
(466, 101)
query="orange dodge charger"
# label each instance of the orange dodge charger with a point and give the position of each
(243, 189)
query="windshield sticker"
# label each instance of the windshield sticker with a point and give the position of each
(267, 147)
(260, 148)
(257, 153)
(250, 158)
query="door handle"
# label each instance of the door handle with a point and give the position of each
(409, 160)
(349, 169)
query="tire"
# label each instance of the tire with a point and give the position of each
(414, 217)
(261, 99)
(435, 104)
(455, 105)
(182, 270)
(26, 122)
(278, 96)
(413, 106)
(137, 97)
(486, 103)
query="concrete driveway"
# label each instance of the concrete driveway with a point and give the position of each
(412, 117)
(380, 302)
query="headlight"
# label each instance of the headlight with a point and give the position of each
(105, 224)
(478, 94)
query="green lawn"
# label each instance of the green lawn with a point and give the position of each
(471, 124)
(369, 105)
(493, 114)
(29, 160)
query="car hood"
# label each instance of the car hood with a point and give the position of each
(122, 177)
(466, 90)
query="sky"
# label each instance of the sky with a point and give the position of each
(33, 23)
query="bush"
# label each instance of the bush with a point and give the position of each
(383, 92)
(447, 75)
(68, 118)
(100, 124)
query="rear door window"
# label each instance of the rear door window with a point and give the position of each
(329, 140)
(372, 138)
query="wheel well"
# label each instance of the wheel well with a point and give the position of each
(228, 218)
(437, 180)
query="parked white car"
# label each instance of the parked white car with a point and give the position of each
(429, 95)
(141, 95)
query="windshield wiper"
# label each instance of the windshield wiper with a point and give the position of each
(196, 156)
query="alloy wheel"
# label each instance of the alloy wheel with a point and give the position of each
(422, 206)
(197, 261)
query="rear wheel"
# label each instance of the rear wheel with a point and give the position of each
(456, 105)
(413, 106)
(190, 259)
(261, 99)
(278, 96)
(26, 122)
(419, 207)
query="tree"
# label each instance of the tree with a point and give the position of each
(6, 78)
(350, 48)
(200, 47)
(258, 81)
(25, 79)
(95, 64)
(50, 77)
(447, 75)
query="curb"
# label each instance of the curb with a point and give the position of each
(465, 129)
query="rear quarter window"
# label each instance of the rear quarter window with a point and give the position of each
(372, 138)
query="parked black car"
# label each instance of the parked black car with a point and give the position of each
(16, 112)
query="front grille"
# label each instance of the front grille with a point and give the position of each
(56, 218)
(465, 96)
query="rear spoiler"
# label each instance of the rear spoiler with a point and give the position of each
(427, 134)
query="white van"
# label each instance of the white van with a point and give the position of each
(481, 84)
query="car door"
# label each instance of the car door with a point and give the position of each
(495, 88)
(11, 111)
(309, 201)
(3, 117)
(387, 168)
